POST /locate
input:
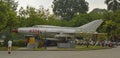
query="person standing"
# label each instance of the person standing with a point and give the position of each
(26, 41)
(9, 46)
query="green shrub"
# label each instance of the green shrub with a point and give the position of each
(20, 43)
(102, 37)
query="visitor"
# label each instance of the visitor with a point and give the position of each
(9, 46)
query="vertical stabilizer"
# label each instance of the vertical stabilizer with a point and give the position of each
(90, 27)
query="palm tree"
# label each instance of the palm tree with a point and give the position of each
(113, 5)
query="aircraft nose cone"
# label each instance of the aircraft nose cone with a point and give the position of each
(15, 30)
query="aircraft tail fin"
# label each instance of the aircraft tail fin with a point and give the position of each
(90, 27)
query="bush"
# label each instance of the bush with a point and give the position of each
(20, 43)
(102, 37)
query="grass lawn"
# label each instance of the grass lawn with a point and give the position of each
(77, 48)
(21, 49)
(5, 48)
(83, 48)
(32, 49)
(90, 47)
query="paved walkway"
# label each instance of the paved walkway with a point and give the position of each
(105, 53)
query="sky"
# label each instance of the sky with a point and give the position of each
(47, 4)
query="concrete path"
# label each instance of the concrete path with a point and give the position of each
(105, 53)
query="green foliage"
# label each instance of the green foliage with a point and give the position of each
(32, 16)
(20, 43)
(113, 5)
(3, 18)
(7, 14)
(7, 17)
(82, 19)
(98, 11)
(67, 9)
(116, 16)
(11, 4)
(102, 37)
(111, 25)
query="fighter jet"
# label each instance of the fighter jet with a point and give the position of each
(90, 27)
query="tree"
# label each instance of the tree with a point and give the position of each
(7, 14)
(31, 16)
(98, 11)
(8, 17)
(110, 28)
(81, 19)
(111, 24)
(113, 5)
(67, 9)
